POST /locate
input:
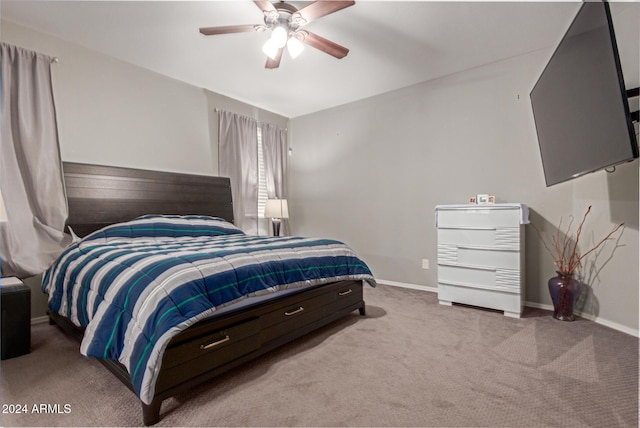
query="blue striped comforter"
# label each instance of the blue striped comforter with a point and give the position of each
(135, 285)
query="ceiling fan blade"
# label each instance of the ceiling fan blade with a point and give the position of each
(274, 63)
(265, 5)
(325, 45)
(319, 9)
(213, 31)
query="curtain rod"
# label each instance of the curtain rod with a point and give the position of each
(216, 109)
(52, 59)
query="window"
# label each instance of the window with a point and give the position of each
(262, 178)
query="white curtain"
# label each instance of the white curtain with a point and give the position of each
(274, 150)
(30, 168)
(238, 158)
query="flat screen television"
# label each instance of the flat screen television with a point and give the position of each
(580, 104)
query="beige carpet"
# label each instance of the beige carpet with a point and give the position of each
(409, 362)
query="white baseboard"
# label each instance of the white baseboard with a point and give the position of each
(406, 285)
(39, 320)
(597, 320)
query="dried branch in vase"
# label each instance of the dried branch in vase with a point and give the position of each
(566, 255)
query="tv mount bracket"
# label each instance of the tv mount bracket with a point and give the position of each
(632, 93)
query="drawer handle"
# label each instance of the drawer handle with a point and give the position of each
(297, 311)
(345, 293)
(216, 343)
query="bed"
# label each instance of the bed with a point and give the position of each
(249, 295)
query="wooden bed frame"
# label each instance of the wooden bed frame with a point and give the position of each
(103, 195)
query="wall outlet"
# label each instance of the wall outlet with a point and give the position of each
(425, 263)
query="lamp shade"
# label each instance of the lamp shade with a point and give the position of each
(276, 208)
(294, 47)
(279, 37)
(270, 49)
(3, 211)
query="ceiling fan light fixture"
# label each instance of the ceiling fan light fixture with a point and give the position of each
(279, 36)
(270, 49)
(284, 20)
(294, 47)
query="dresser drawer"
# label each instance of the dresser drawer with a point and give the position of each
(481, 217)
(344, 297)
(348, 292)
(479, 277)
(510, 303)
(292, 317)
(208, 353)
(502, 237)
(294, 311)
(468, 255)
(220, 346)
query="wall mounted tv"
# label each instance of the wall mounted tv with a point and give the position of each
(580, 104)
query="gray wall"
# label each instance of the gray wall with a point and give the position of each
(371, 172)
(113, 113)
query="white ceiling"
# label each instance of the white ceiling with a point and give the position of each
(392, 44)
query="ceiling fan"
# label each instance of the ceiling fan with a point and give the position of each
(285, 22)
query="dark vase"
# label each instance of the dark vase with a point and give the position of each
(564, 292)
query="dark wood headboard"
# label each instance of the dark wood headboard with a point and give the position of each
(102, 195)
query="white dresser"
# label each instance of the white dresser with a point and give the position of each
(481, 255)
